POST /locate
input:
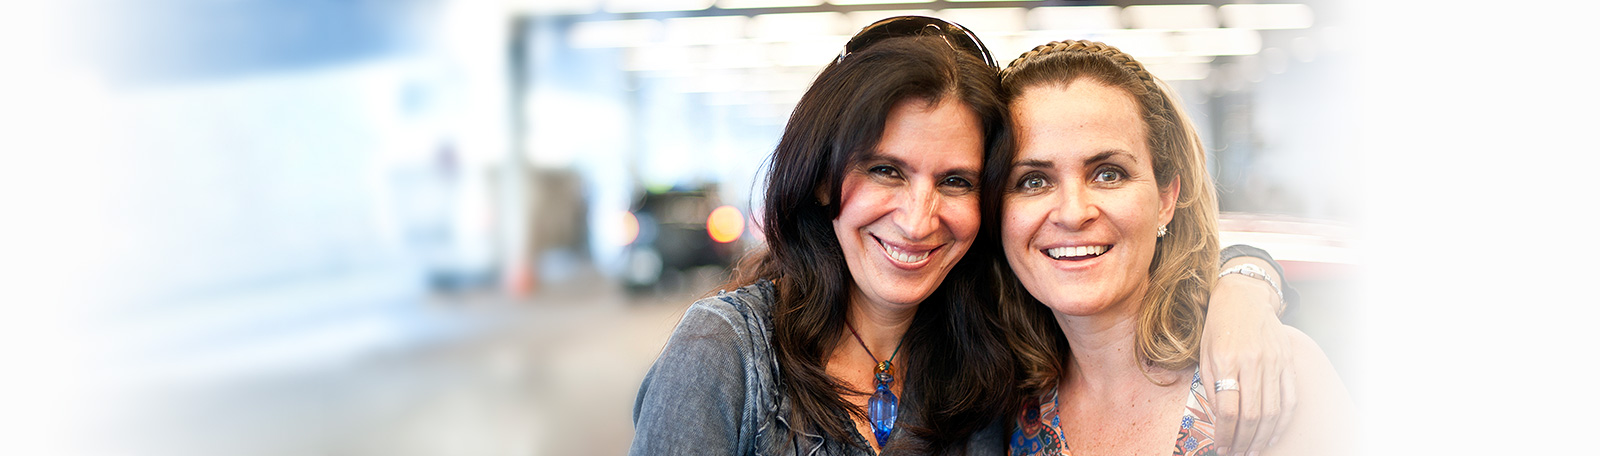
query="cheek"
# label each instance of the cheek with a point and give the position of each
(1015, 229)
(963, 218)
(855, 200)
(1138, 211)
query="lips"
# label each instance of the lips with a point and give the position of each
(904, 255)
(1077, 253)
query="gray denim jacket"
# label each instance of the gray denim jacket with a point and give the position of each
(716, 389)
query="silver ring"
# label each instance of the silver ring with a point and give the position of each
(1227, 384)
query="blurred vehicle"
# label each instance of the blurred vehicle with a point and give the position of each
(678, 231)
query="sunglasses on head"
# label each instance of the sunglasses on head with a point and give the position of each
(954, 34)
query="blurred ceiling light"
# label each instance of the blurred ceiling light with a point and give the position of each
(647, 6)
(712, 82)
(659, 59)
(678, 58)
(1141, 44)
(1179, 71)
(1186, 68)
(859, 19)
(705, 30)
(815, 52)
(748, 85)
(1266, 17)
(538, 7)
(792, 26)
(600, 34)
(1170, 16)
(736, 4)
(987, 22)
(735, 55)
(1075, 18)
(875, 2)
(1217, 42)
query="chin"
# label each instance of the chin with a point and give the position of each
(1073, 304)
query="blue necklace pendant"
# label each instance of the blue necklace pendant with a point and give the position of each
(882, 406)
(881, 409)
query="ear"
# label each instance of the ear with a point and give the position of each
(1169, 199)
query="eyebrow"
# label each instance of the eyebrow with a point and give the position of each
(1035, 163)
(876, 156)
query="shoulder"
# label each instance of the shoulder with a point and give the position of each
(712, 385)
(1314, 375)
(731, 314)
(1322, 421)
(1308, 356)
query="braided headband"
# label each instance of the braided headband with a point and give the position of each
(1084, 46)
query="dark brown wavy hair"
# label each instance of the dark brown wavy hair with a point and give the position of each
(957, 368)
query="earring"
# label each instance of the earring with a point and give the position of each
(1161, 231)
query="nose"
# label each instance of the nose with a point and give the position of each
(1075, 208)
(918, 212)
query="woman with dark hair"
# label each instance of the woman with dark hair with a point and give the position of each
(868, 323)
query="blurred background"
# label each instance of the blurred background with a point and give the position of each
(466, 227)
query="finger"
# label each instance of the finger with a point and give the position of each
(1271, 393)
(1207, 379)
(1249, 409)
(1289, 403)
(1226, 406)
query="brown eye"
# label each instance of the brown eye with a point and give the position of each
(1109, 175)
(957, 182)
(1032, 182)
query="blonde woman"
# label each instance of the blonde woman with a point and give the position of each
(1108, 223)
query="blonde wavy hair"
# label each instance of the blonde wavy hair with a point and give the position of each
(1185, 263)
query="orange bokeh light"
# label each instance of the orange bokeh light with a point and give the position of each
(725, 224)
(630, 228)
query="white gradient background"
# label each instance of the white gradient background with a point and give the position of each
(1478, 164)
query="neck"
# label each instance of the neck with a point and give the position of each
(1103, 355)
(880, 327)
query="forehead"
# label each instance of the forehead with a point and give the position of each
(1085, 115)
(948, 132)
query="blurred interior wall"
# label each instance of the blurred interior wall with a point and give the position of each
(201, 190)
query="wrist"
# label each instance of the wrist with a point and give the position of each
(1245, 271)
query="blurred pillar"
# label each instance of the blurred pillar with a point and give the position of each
(518, 276)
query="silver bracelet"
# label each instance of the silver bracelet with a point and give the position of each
(1250, 270)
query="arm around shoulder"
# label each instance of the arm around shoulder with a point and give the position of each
(1324, 421)
(693, 399)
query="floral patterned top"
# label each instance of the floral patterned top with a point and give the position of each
(1038, 431)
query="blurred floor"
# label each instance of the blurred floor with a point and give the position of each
(552, 375)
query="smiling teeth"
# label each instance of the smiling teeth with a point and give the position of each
(904, 257)
(1082, 250)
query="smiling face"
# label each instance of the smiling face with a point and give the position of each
(1082, 203)
(909, 210)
